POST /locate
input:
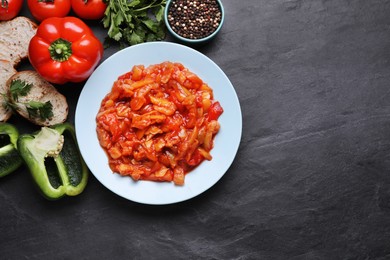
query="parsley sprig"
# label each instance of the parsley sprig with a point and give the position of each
(130, 22)
(35, 109)
(19, 88)
(40, 110)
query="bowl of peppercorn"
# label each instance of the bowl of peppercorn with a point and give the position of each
(194, 21)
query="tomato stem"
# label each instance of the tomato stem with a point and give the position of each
(60, 50)
(4, 4)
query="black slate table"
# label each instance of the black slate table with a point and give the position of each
(311, 179)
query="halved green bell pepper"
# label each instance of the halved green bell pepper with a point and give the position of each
(9, 156)
(54, 161)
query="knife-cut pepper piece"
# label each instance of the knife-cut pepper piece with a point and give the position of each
(9, 156)
(54, 161)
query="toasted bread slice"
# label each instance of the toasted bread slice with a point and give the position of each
(15, 36)
(36, 99)
(6, 71)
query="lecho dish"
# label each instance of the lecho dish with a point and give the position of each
(204, 176)
(158, 123)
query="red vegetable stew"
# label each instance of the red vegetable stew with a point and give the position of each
(158, 123)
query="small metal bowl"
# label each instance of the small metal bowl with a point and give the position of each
(186, 40)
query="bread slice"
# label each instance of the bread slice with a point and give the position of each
(36, 99)
(15, 36)
(7, 70)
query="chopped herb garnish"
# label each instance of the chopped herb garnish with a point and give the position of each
(40, 110)
(19, 88)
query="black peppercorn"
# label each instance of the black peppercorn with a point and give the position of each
(194, 19)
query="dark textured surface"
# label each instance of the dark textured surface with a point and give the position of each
(311, 179)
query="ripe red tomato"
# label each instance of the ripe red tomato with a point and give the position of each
(89, 9)
(9, 9)
(42, 9)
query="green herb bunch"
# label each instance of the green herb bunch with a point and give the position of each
(130, 22)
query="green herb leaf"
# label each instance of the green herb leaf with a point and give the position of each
(159, 13)
(19, 88)
(119, 18)
(151, 25)
(134, 3)
(40, 110)
(136, 38)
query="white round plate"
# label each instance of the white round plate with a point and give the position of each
(226, 142)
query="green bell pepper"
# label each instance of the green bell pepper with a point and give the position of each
(54, 161)
(9, 156)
